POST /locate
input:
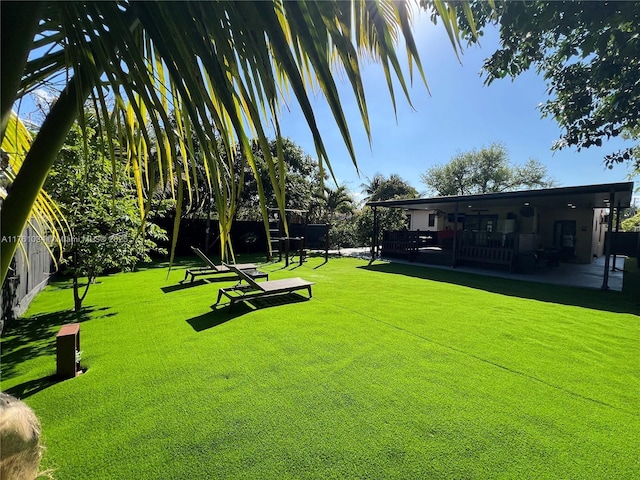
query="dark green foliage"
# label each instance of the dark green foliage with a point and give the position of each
(487, 170)
(389, 219)
(332, 201)
(100, 206)
(301, 178)
(381, 188)
(343, 234)
(589, 53)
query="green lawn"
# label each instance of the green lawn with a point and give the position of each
(389, 372)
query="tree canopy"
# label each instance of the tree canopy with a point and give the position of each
(382, 188)
(100, 207)
(589, 54)
(487, 170)
(334, 200)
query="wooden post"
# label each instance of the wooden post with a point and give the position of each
(374, 235)
(454, 259)
(613, 268)
(607, 253)
(67, 351)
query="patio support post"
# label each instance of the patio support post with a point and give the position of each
(374, 236)
(454, 257)
(618, 210)
(607, 253)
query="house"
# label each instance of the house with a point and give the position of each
(518, 231)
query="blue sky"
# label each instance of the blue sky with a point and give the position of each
(460, 115)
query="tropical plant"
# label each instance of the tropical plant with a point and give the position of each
(302, 177)
(45, 217)
(343, 234)
(100, 206)
(388, 219)
(220, 66)
(334, 200)
(382, 188)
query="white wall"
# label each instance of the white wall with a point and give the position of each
(420, 220)
(584, 229)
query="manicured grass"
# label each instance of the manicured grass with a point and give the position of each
(390, 371)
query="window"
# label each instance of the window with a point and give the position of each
(481, 223)
(432, 219)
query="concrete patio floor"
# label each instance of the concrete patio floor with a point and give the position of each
(569, 274)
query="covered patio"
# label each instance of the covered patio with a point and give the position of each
(550, 235)
(566, 274)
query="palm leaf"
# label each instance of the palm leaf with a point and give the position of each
(219, 68)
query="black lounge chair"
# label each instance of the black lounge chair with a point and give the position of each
(213, 269)
(252, 289)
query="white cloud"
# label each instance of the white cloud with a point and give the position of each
(44, 95)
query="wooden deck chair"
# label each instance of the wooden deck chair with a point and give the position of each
(252, 289)
(213, 269)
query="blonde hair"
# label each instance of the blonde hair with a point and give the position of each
(20, 449)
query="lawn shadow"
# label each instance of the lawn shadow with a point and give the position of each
(203, 281)
(217, 317)
(321, 265)
(32, 337)
(580, 297)
(182, 286)
(221, 313)
(26, 389)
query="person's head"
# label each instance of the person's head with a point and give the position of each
(20, 450)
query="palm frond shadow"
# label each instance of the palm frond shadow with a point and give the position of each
(26, 389)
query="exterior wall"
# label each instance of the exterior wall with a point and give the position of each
(420, 220)
(598, 232)
(584, 227)
(537, 231)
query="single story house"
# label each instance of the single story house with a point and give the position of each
(518, 230)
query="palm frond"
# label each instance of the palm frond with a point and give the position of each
(219, 69)
(46, 219)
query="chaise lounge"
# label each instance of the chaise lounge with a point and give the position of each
(213, 269)
(252, 289)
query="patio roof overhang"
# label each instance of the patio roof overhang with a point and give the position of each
(586, 196)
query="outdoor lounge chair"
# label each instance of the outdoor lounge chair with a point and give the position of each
(213, 269)
(253, 289)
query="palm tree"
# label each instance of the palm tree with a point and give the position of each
(336, 200)
(371, 186)
(218, 66)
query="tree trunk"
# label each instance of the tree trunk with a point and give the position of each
(77, 302)
(19, 23)
(35, 168)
